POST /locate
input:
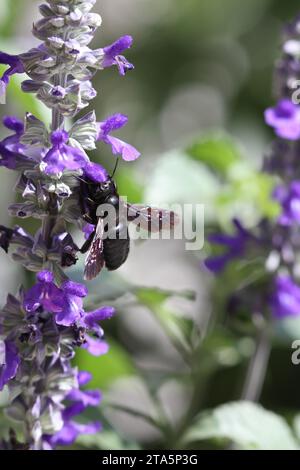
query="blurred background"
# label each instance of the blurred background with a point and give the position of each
(195, 103)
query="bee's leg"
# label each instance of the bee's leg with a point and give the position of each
(86, 246)
(87, 218)
(90, 201)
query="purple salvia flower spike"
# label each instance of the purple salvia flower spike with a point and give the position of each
(41, 328)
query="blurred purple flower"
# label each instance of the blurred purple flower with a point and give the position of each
(234, 244)
(12, 151)
(285, 119)
(285, 300)
(79, 401)
(113, 123)
(62, 156)
(15, 66)
(9, 362)
(113, 55)
(95, 346)
(289, 198)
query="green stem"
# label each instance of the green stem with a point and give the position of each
(257, 367)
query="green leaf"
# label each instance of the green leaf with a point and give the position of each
(179, 329)
(105, 440)
(247, 193)
(218, 152)
(106, 369)
(152, 297)
(246, 424)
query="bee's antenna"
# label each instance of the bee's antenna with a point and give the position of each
(115, 169)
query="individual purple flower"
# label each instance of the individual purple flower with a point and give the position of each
(12, 151)
(15, 66)
(14, 124)
(70, 431)
(9, 362)
(91, 319)
(95, 346)
(78, 400)
(44, 294)
(62, 156)
(285, 119)
(285, 301)
(95, 172)
(289, 198)
(65, 302)
(72, 303)
(113, 123)
(234, 244)
(113, 55)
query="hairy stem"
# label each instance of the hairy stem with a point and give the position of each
(50, 220)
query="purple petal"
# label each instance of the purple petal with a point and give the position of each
(285, 301)
(32, 300)
(112, 123)
(45, 276)
(9, 362)
(74, 409)
(74, 288)
(84, 377)
(68, 316)
(96, 316)
(112, 55)
(71, 430)
(16, 66)
(14, 124)
(59, 137)
(64, 158)
(128, 152)
(86, 397)
(44, 294)
(216, 264)
(96, 347)
(96, 173)
(119, 46)
(285, 119)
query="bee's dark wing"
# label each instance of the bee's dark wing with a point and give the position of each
(95, 260)
(150, 218)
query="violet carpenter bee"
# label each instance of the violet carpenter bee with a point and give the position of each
(108, 245)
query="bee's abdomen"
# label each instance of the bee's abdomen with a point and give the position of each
(116, 249)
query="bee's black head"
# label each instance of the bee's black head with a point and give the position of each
(100, 192)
